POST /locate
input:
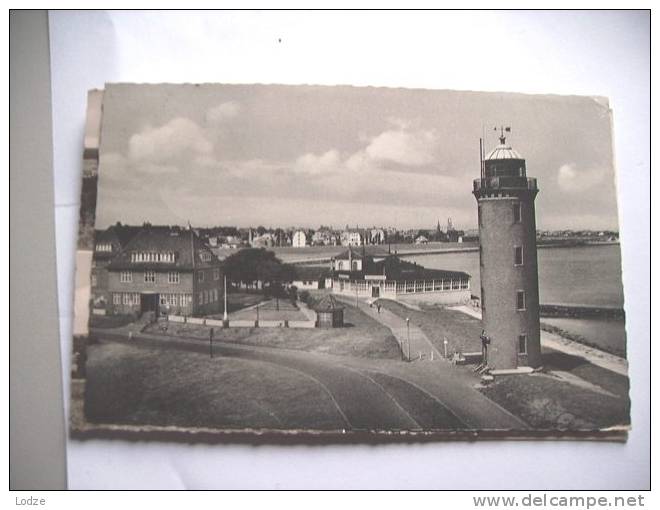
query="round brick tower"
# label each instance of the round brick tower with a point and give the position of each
(507, 253)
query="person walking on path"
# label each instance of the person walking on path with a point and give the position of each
(211, 342)
(378, 307)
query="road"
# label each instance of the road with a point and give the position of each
(371, 394)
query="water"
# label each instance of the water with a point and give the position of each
(581, 275)
(608, 334)
(584, 275)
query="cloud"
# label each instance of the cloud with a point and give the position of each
(572, 179)
(310, 164)
(409, 148)
(163, 148)
(223, 112)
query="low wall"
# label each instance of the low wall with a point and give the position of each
(444, 297)
(302, 324)
(271, 324)
(216, 323)
(581, 311)
(242, 324)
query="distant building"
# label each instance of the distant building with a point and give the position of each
(376, 236)
(354, 273)
(324, 237)
(507, 252)
(165, 270)
(299, 239)
(422, 240)
(352, 237)
(266, 240)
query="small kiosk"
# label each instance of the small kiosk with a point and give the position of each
(329, 313)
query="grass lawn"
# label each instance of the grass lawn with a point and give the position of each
(271, 310)
(547, 403)
(110, 321)
(361, 336)
(461, 331)
(151, 386)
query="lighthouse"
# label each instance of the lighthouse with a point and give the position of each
(507, 254)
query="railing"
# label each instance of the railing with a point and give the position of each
(495, 183)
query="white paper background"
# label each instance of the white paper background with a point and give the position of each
(586, 53)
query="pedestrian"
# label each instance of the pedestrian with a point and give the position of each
(378, 307)
(211, 341)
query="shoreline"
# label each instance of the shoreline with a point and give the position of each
(325, 258)
(555, 340)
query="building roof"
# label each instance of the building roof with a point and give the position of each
(116, 235)
(186, 245)
(359, 253)
(396, 269)
(503, 151)
(307, 273)
(327, 304)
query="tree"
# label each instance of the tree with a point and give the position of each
(252, 264)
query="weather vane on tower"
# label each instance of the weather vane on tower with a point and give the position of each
(503, 129)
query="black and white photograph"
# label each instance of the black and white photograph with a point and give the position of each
(347, 261)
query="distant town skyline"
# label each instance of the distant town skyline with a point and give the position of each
(248, 155)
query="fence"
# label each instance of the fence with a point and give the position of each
(242, 323)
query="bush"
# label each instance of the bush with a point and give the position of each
(304, 296)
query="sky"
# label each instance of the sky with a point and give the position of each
(284, 155)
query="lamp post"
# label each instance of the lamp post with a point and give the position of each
(224, 316)
(408, 328)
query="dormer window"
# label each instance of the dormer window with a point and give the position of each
(205, 256)
(152, 256)
(104, 247)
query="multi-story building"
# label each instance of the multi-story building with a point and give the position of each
(107, 244)
(507, 247)
(299, 239)
(165, 270)
(352, 237)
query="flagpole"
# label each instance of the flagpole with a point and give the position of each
(224, 317)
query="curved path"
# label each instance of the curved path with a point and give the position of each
(370, 394)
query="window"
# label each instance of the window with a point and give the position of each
(200, 276)
(173, 277)
(126, 277)
(518, 256)
(355, 265)
(201, 298)
(522, 344)
(479, 214)
(481, 256)
(520, 300)
(116, 298)
(149, 277)
(483, 299)
(216, 274)
(517, 212)
(106, 247)
(93, 280)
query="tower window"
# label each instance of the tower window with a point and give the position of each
(517, 212)
(518, 256)
(520, 300)
(483, 299)
(522, 344)
(478, 215)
